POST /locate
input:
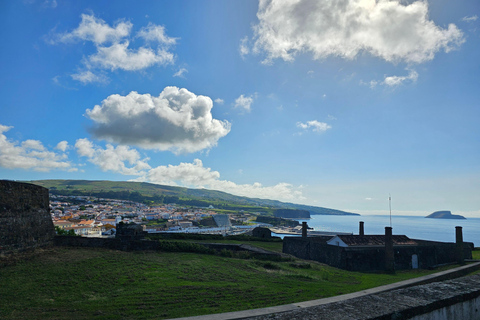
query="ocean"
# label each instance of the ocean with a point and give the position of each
(414, 227)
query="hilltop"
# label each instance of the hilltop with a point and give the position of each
(150, 193)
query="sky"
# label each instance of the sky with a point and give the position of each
(338, 104)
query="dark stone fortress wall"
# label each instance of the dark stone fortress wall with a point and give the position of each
(25, 221)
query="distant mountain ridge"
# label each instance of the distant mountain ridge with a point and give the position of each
(155, 192)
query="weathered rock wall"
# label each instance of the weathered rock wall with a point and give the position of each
(25, 221)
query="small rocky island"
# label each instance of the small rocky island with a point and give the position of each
(444, 215)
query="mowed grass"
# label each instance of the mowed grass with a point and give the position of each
(476, 254)
(82, 283)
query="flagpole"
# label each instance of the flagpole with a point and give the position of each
(390, 206)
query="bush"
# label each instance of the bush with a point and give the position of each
(61, 232)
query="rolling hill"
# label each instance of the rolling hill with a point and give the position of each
(154, 193)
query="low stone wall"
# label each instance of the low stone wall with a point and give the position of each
(25, 221)
(152, 245)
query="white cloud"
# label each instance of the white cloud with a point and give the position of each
(29, 154)
(89, 77)
(197, 176)
(470, 19)
(243, 48)
(244, 103)
(119, 56)
(180, 73)
(393, 81)
(62, 146)
(96, 30)
(156, 33)
(219, 101)
(113, 158)
(176, 120)
(315, 125)
(373, 84)
(346, 28)
(113, 50)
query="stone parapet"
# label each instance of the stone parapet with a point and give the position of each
(25, 221)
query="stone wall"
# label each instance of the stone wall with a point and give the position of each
(151, 245)
(25, 221)
(429, 254)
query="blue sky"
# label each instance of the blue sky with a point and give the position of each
(329, 103)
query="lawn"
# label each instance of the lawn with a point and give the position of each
(476, 254)
(81, 283)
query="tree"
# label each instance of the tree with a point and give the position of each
(63, 232)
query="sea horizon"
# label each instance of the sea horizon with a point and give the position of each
(414, 227)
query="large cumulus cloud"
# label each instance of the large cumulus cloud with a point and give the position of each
(176, 120)
(387, 29)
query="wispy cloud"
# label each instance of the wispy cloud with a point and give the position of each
(470, 19)
(88, 76)
(244, 103)
(393, 81)
(180, 73)
(243, 48)
(314, 125)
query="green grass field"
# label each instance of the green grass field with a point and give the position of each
(77, 283)
(476, 254)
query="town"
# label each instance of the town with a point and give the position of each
(98, 217)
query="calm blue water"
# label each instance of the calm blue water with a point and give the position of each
(411, 226)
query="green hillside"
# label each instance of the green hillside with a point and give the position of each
(154, 193)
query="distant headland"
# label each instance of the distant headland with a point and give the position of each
(444, 215)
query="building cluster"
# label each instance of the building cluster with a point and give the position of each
(90, 216)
